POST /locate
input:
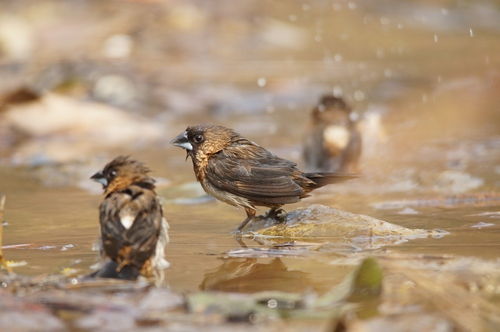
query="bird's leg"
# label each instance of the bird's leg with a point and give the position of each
(250, 215)
(277, 213)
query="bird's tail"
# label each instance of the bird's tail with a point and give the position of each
(322, 179)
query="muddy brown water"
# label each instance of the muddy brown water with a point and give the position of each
(437, 96)
(50, 229)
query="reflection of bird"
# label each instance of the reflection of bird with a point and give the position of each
(133, 231)
(333, 142)
(253, 275)
(244, 174)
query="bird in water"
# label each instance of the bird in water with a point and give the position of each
(333, 141)
(134, 232)
(241, 173)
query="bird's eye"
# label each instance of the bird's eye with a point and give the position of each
(112, 173)
(198, 138)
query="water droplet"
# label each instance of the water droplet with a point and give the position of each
(436, 38)
(272, 304)
(261, 82)
(74, 281)
(359, 95)
(471, 32)
(337, 91)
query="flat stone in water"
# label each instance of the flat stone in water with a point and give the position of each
(319, 221)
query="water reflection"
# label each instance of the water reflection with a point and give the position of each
(251, 275)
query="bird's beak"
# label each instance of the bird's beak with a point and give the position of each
(182, 141)
(99, 177)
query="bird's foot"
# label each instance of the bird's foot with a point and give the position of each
(277, 214)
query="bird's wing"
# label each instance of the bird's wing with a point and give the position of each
(252, 172)
(130, 225)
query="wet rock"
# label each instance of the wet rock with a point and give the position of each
(457, 182)
(107, 321)
(322, 222)
(19, 315)
(62, 129)
(115, 89)
(118, 46)
(408, 211)
(160, 300)
(403, 322)
(16, 38)
(283, 34)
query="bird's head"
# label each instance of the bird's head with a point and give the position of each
(204, 139)
(332, 110)
(122, 172)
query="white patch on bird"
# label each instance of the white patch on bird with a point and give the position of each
(186, 146)
(127, 221)
(102, 181)
(337, 136)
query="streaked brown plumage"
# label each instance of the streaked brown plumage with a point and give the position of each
(333, 141)
(241, 173)
(133, 230)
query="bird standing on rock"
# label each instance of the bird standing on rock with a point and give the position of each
(241, 173)
(134, 232)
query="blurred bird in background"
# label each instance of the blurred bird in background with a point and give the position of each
(134, 232)
(333, 141)
(241, 173)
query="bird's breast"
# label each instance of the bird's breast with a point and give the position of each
(223, 195)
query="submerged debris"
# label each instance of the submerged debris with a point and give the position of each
(456, 294)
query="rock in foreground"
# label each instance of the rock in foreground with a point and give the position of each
(322, 222)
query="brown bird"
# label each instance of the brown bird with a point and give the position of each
(241, 173)
(333, 142)
(134, 232)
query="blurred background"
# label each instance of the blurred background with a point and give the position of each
(82, 81)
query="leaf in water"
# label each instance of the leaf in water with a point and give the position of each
(364, 283)
(367, 281)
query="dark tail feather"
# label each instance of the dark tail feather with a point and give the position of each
(322, 179)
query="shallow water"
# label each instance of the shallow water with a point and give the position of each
(437, 101)
(42, 220)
